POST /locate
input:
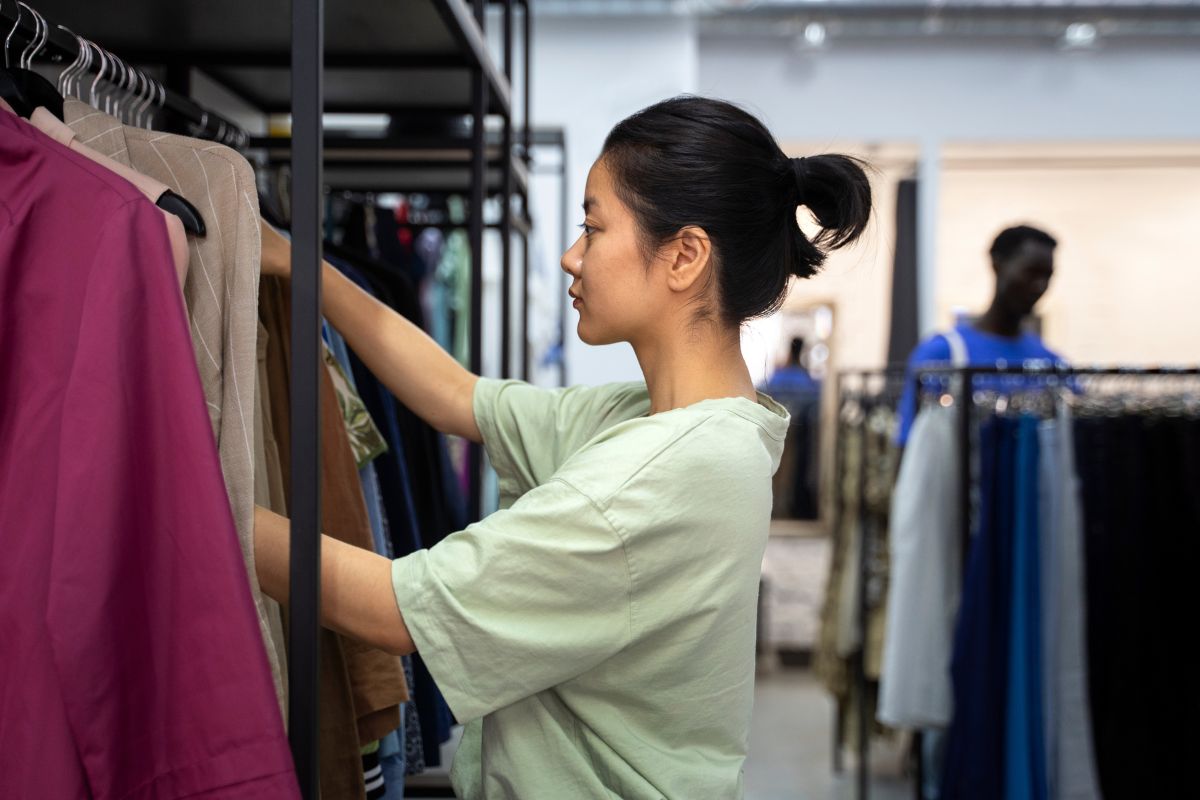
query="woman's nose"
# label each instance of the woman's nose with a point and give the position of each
(572, 260)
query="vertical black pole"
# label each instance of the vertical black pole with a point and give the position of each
(479, 97)
(839, 457)
(564, 221)
(527, 79)
(527, 155)
(526, 349)
(506, 155)
(966, 410)
(860, 662)
(308, 49)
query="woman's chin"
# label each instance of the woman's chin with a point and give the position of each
(589, 336)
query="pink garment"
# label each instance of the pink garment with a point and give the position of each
(56, 129)
(131, 666)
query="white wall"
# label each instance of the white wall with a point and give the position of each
(1127, 269)
(927, 91)
(588, 75)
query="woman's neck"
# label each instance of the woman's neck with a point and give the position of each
(700, 363)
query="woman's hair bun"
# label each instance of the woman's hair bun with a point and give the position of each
(695, 161)
(837, 191)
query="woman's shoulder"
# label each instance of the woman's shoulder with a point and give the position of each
(670, 449)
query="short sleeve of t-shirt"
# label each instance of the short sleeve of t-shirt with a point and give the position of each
(529, 432)
(526, 599)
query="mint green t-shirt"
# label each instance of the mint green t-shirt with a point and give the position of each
(596, 634)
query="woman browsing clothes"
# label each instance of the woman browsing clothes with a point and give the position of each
(596, 635)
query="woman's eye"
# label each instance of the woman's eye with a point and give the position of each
(588, 230)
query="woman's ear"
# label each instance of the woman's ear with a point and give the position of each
(689, 255)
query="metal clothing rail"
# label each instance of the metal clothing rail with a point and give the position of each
(962, 393)
(60, 46)
(869, 397)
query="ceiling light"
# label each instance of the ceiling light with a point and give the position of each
(814, 34)
(1079, 36)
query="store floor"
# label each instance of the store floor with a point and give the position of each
(790, 746)
(790, 740)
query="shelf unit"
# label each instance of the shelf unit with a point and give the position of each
(415, 59)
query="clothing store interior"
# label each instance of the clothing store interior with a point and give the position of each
(979, 420)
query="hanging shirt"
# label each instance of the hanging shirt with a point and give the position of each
(56, 129)
(926, 578)
(1071, 761)
(597, 635)
(1024, 746)
(132, 664)
(977, 349)
(221, 292)
(975, 754)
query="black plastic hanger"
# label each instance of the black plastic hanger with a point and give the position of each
(175, 204)
(21, 87)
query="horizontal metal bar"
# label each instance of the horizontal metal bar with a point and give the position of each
(232, 59)
(459, 19)
(1058, 370)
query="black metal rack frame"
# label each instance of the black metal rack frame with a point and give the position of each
(872, 390)
(373, 42)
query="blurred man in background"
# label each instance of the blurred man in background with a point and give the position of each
(1023, 260)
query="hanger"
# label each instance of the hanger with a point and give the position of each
(20, 86)
(193, 223)
(168, 201)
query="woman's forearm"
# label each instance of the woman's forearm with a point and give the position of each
(414, 367)
(403, 357)
(357, 599)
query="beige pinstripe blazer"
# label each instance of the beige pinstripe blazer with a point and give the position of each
(222, 300)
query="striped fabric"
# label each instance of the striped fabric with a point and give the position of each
(222, 300)
(373, 773)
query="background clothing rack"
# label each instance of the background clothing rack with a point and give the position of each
(961, 390)
(874, 386)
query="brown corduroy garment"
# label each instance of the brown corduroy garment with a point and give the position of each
(361, 687)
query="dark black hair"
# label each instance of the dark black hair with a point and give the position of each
(1011, 240)
(797, 349)
(697, 161)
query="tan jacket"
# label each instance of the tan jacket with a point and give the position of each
(221, 292)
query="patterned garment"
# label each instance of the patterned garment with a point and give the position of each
(414, 743)
(221, 292)
(366, 441)
(373, 778)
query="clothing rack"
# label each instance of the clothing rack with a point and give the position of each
(363, 63)
(64, 49)
(874, 387)
(961, 391)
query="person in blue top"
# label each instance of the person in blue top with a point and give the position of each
(1023, 260)
(792, 377)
